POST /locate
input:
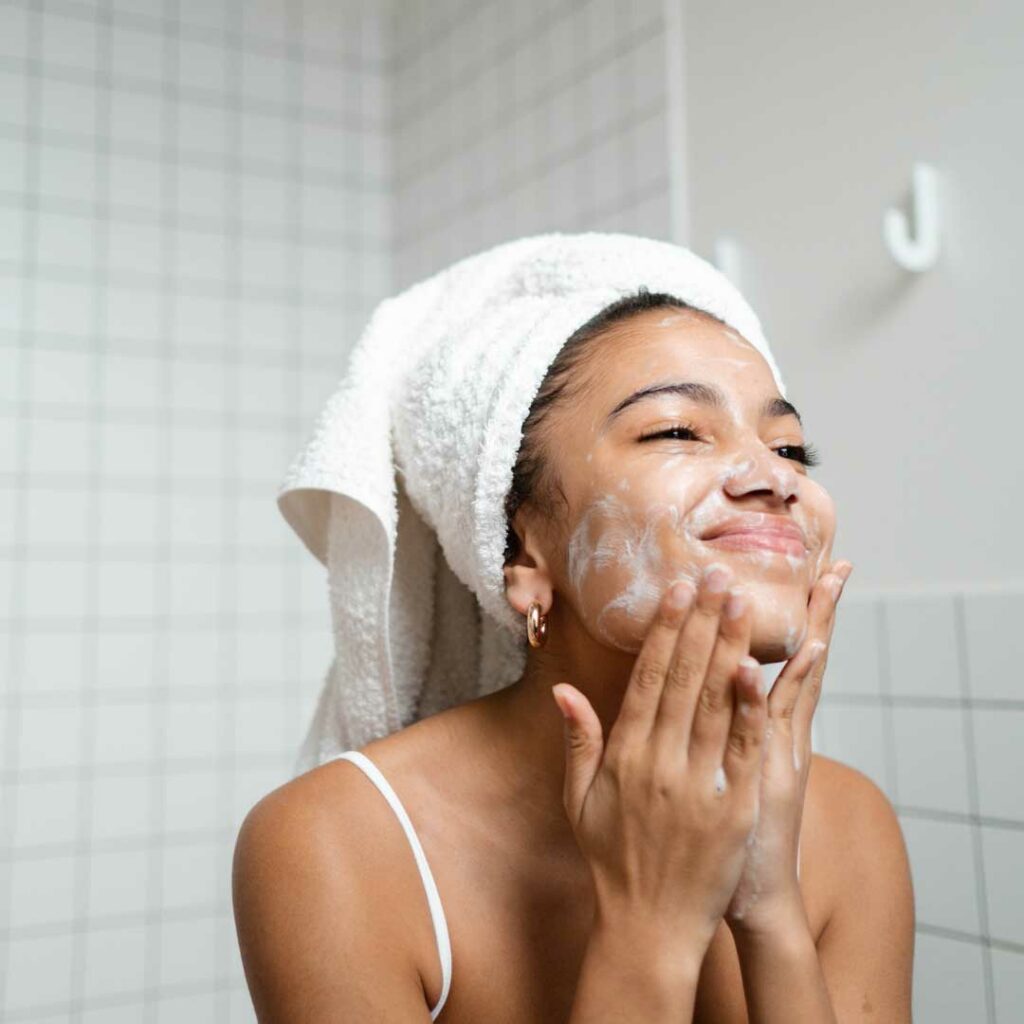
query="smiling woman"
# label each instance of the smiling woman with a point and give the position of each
(681, 452)
(667, 848)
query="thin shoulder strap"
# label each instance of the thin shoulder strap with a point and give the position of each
(444, 947)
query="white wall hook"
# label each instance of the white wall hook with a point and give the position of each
(727, 259)
(920, 250)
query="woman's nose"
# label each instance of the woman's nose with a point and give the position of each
(761, 470)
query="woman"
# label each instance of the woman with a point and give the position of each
(665, 849)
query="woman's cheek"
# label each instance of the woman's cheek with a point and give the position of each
(620, 560)
(820, 527)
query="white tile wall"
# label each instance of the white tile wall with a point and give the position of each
(951, 755)
(512, 119)
(193, 224)
(211, 200)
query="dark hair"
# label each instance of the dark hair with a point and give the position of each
(532, 477)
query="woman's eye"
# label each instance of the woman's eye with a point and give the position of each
(678, 432)
(805, 454)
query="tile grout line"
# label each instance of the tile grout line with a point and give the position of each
(23, 425)
(974, 803)
(90, 689)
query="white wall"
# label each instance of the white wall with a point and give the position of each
(194, 213)
(200, 204)
(804, 121)
(515, 118)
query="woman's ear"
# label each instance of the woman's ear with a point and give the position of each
(527, 576)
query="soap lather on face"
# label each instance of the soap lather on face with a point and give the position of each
(639, 507)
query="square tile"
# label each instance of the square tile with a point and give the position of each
(124, 733)
(49, 737)
(137, 452)
(124, 659)
(931, 763)
(188, 951)
(1008, 975)
(128, 588)
(192, 729)
(38, 971)
(923, 655)
(52, 660)
(190, 876)
(942, 868)
(949, 981)
(121, 807)
(119, 882)
(191, 801)
(59, 516)
(129, 518)
(1000, 761)
(43, 891)
(46, 812)
(995, 644)
(855, 735)
(853, 658)
(1003, 850)
(114, 960)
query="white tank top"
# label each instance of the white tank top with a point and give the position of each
(444, 947)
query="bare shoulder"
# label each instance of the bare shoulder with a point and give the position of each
(860, 830)
(312, 885)
(845, 795)
(866, 948)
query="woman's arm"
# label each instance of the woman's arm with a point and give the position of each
(631, 973)
(316, 943)
(862, 966)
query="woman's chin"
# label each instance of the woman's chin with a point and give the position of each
(777, 636)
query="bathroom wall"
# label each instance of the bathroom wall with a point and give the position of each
(200, 204)
(194, 214)
(511, 119)
(804, 122)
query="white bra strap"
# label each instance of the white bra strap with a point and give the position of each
(444, 947)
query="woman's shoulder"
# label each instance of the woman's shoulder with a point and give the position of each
(850, 819)
(319, 878)
(842, 790)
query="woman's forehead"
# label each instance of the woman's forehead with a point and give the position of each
(679, 345)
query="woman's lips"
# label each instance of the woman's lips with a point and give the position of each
(762, 540)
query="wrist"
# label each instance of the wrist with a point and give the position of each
(670, 950)
(778, 920)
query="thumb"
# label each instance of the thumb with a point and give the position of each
(583, 747)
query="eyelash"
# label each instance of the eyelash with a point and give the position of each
(808, 454)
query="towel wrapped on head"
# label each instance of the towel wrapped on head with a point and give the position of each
(400, 490)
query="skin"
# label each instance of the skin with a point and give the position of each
(496, 832)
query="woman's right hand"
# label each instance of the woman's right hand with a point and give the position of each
(664, 838)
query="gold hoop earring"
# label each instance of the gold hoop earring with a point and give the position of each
(536, 625)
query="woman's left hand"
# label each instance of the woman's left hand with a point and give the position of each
(769, 885)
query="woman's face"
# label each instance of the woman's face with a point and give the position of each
(641, 510)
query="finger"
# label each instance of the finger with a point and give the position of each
(713, 713)
(639, 705)
(688, 666)
(744, 748)
(583, 747)
(786, 689)
(807, 702)
(684, 680)
(810, 691)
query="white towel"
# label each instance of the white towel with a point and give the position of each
(400, 490)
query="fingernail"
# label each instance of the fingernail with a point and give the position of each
(563, 704)
(680, 594)
(835, 586)
(716, 578)
(736, 604)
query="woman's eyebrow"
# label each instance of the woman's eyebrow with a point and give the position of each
(706, 394)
